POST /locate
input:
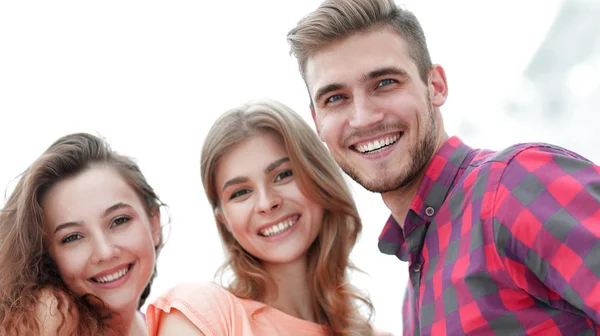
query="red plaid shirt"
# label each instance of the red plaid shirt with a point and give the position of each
(502, 243)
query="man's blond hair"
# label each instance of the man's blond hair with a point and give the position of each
(337, 19)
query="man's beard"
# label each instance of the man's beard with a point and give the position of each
(419, 158)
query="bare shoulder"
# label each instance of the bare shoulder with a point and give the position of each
(176, 323)
(203, 289)
(194, 309)
(53, 312)
(379, 332)
(206, 296)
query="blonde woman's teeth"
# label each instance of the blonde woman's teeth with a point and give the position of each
(279, 227)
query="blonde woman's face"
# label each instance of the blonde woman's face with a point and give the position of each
(101, 237)
(261, 203)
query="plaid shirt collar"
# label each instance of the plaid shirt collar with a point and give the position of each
(437, 182)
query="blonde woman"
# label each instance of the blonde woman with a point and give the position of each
(288, 223)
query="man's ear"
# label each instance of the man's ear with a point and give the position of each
(438, 87)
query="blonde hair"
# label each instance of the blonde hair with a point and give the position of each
(334, 300)
(29, 272)
(337, 19)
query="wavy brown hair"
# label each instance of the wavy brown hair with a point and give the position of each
(335, 301)
(29, 273)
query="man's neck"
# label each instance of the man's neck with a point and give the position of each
(293, 292)
(399, 201)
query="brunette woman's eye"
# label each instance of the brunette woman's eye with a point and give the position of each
(71, 238)
(119, 221)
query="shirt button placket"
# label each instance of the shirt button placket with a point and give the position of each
(429, 211)
(415, 278)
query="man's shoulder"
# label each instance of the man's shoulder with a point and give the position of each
(507, 154)
(521, 153)
(487, 169)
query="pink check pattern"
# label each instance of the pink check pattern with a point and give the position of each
(502, 243)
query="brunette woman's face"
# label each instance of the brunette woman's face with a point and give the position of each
(261, 203)
(101, 237)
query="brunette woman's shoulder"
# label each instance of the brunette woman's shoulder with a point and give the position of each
(54, 313)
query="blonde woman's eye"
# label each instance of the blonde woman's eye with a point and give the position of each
(71, 238)
(284, 174)
(239, 193)
(119, 221)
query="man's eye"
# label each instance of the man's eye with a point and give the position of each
(385, 82)
(334, 98)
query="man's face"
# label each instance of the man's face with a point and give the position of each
(372, 109)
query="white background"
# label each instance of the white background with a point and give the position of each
(152, 77)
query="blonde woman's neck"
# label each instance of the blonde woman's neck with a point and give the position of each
(293, 291)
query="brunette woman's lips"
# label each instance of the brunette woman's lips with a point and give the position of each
(112, 275)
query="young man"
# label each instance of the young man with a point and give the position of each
(497, 242)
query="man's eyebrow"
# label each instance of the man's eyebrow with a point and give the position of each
(326, 89)
(391, 70)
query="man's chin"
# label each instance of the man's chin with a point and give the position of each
(373, 183)
(379, 186)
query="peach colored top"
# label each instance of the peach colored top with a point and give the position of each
(216, 312)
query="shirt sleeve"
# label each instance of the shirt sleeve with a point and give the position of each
(546, 221)
(208, 306)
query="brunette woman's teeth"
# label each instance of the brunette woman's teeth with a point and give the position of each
(112, 277)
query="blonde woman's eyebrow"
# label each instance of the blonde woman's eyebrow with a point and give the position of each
(233, 181)
(276, 164)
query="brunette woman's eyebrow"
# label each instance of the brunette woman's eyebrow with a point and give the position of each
(66, 226)
(108, 210)
(112, 208)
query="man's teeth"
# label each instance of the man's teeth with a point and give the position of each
(377, 144)
(279, 228)
(112, 277)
